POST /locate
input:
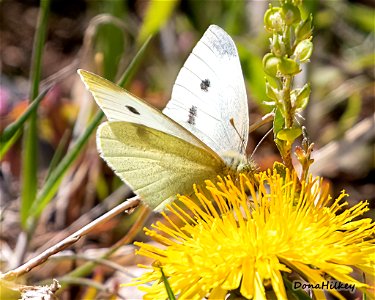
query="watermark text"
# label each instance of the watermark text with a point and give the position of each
(324, 285)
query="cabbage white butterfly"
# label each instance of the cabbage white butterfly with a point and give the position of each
(201, 133)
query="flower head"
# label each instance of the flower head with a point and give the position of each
(228, 243)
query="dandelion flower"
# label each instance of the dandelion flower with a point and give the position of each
(228, 243)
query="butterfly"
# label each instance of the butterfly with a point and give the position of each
(200, 134)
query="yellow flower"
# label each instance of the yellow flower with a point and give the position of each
(228, 243)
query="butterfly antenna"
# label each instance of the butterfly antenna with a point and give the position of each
(238, 133)
(260, 142)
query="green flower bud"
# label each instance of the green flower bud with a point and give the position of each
(303, 51)
(288, 66)
(304, 29)
(270, 64)
(291, 14)
(273, 20)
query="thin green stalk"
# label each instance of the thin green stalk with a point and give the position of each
(30, 137)
(130, 70)
(59, 153)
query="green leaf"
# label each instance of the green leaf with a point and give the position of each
(302, 97)
(304, 29)
(157, 14)
(271, 92)
(289, 134)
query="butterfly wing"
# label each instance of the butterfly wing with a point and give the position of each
(209, 91)
(119, 105)
(161, 155)
(156, 165)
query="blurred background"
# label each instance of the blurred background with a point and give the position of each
(104, 37)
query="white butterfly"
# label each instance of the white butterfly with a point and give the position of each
(201, 133)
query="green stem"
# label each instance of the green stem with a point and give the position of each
(288, 117)
(287, 84)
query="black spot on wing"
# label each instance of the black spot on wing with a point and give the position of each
(192, 115)
(132, 110)
(205, 84)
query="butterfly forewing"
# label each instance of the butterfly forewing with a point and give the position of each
(209, 91)
(120, 105)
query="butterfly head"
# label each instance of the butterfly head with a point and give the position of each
(238, 163)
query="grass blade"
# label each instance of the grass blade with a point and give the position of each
(6, 145)
(30, 137)
(170, 294)
(133, 65)
(59, 152)
(12, 128)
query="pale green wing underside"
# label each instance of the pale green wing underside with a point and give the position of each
(156, 165)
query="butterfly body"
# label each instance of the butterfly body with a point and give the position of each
(200, 134)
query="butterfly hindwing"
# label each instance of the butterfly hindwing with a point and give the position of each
(156, 165)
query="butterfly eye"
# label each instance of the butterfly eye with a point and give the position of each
(192, 115)
(132, 110)
(205, 84)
